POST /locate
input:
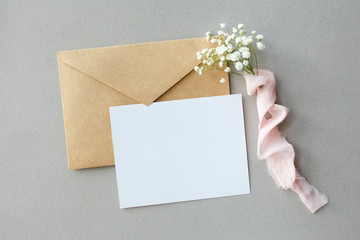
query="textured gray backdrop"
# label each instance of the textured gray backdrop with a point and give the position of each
(312, 46)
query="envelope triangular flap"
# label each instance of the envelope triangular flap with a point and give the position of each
(140, 71)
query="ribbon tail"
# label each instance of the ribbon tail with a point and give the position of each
(308, 194)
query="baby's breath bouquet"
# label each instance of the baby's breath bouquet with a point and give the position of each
(237, 49)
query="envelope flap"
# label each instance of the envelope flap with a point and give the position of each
(141, 71)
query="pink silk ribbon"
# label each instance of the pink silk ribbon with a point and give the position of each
(273, 147)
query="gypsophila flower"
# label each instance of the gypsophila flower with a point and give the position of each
(237, 48)
(245, 54)
(242, 49)
(221, 49)
(227, 40)
(239, 66)
(235, 56)
(260, 46)
(230, 48)
(259, 37)
(210, 61)
(247, 41)
(223, 80)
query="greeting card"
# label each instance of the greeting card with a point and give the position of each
(179, 150)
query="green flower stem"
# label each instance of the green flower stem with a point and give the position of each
(247, 71)
(257, 68)
(250, 70)
(214, 68)
(236, 73)
(250, 60)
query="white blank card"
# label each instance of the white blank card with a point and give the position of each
(179, 150)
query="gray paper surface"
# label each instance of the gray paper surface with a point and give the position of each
(311, 46)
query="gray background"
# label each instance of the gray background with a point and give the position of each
(312, 46)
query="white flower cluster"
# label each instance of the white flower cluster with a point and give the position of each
(235, 49)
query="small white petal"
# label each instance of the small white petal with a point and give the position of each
(221, 50)
(245, 54)
(196, 68)
(246, 62)
(204, 50)
(247, 41)
(230, 47)
(260, 46)
(253, 32)
(200, 72)
(259, 37)
(199, 57)
(222, 58)
(227, 69)
(208, 33)
(237, 40)
(235, 56)
(239, 66)
(210, 61)
(223, 80)
(223, 25)
(242, 49)
(240, 26)
(213, 40)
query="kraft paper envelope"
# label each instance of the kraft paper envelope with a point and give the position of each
(92, 80)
